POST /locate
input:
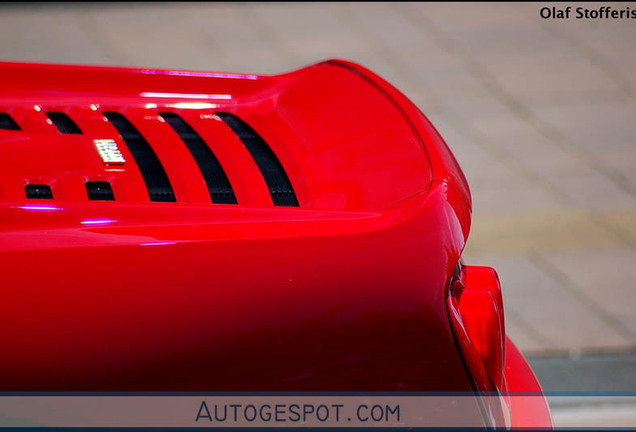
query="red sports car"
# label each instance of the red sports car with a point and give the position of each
(186, 231)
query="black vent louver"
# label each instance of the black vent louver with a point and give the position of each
(273, 173)
(38, 191)
(219, 186)
(7, 122)
(100, 191)
(63, 123)
(155, 177)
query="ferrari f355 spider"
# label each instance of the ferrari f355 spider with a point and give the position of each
(170, 230)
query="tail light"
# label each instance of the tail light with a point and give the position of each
(476, 311)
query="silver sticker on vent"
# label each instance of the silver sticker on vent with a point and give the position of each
(109, 152)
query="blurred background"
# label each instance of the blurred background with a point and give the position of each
(540, 113)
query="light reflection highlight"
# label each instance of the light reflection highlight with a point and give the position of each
(163, 243)
(97, 221)
(193, 105)
(40, 208)
(201, 74)
(186, 95)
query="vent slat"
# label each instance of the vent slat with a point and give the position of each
(7, 122)
(64, 123)
(278, 183)
(219, 186)
(38, 191)
(99, 191)
(155, 177)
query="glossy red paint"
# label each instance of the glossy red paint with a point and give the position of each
(522, 393)
(477, 318)
(347, 291)
(493, 362)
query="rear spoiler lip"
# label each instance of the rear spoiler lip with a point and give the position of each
(443, 166)
(442, 163)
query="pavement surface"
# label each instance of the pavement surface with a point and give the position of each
(581, 412)
(590, 374)
(540, 113)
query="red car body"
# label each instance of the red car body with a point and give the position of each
(320, 252)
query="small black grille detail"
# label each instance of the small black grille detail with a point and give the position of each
(7, 122)
(38, 191)
(219, 186)
(64, 123)
(278, 183)
(98, 190)
(155, 177)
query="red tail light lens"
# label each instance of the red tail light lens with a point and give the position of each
(476, 310)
